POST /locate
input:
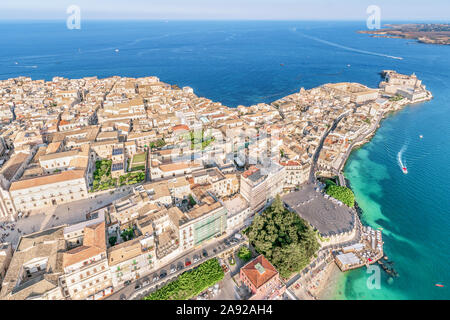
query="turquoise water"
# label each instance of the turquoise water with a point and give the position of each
(251, 62)
(412, 209)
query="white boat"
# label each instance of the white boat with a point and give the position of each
(405, 171)
(117, 50)
(421, 136)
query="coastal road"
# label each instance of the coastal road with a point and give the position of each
(130, 292)
(358, 140)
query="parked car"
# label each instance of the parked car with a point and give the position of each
(155, 278)
(137, 286)
(162, 275)
(205, 253)
(196, 259)
(127, 283)
(187, 263)
(173, 269)
(179, 267)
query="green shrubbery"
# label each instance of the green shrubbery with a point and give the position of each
(198, 138)
(112, 240)
(285, 239)
(102, 176)
(131, 178)
(397, 97)
(190, 283)
(244, 254)
(104, 181)
(341, 193)
(127, 234)
(157, 144)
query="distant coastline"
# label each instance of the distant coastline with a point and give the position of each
(424, 33)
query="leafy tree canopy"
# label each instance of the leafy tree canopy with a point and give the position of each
(190, 283)
(343, 194)
(244, 254)
(285, 239)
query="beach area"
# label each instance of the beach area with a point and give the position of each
(331, 283)
(321, 285)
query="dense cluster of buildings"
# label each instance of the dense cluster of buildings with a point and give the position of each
(208, 169)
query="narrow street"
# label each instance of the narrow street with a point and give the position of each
(316, 155)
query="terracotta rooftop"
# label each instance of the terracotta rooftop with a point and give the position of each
(259, 271)
(54, 178)
(250, 171)
(180, 127)
(94, 243)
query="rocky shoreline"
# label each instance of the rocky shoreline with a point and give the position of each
(437, 34)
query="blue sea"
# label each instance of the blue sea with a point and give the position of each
(243, 63)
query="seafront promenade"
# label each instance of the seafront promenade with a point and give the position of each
(317, 271)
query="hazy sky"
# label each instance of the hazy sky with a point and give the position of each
(227, 9)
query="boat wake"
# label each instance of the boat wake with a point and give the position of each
(349, 48)
(400, 160)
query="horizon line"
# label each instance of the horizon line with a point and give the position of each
(221, 19)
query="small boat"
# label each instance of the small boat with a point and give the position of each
(421, 136)
(405, 171)
(282, 64)
(349, 65)
(439, 285)
(16, 62)
(117, 50)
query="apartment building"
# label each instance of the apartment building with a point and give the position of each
(260, 185)
(206, 220)
(132, 259)
(238, 212)
(296, 173)
(254, 188)
(86, 271)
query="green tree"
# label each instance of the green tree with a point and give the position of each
(112, 240)
(190, 283)
(192, 201)
(285, 239)
(244, 254)
(341, 193)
